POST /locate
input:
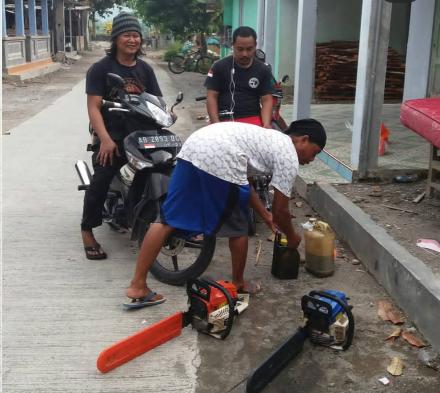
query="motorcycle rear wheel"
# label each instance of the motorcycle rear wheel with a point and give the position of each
(180, 261)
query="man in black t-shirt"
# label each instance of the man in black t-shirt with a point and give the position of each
(240, 83)
(112, 127)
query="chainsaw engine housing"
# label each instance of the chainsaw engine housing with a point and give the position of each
(211, 306)
(329, 320)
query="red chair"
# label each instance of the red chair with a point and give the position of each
(423, 117)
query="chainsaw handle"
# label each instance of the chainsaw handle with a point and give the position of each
(347, 311)
(194, 287)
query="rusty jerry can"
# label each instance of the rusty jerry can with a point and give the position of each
(320, 248)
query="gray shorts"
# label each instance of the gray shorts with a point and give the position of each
(236, 225)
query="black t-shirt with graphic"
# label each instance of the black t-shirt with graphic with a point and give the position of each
(138, 78)
(241, 89)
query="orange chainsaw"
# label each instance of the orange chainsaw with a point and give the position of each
(212, 306)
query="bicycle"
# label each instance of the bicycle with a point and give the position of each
(192, 61)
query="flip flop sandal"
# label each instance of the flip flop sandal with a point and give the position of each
(252, 288)
(95, 252)
(145, 301)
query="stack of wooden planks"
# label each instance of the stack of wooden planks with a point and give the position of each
(336, 69)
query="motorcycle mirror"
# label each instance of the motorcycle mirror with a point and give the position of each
(260, 55)
(179, 97)
(285, 78)
(115, 81)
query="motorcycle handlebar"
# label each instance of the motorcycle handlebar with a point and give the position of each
(111, 104)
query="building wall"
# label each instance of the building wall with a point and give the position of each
(286, 43)
(250, 13)
(399, 27)
(341, 20)
(228, 12)
(336, 20)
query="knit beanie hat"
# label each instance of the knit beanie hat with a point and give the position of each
(125, 22)
(310, 127)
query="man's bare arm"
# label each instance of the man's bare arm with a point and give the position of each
(107, 146)
(212, 105)
(266, 110)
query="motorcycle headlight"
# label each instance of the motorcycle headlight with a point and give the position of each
(162, 117)
(136, 162)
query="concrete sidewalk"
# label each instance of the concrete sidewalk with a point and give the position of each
(60, 309)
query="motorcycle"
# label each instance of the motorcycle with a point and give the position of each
(139, 188)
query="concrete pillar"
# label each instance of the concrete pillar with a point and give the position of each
(270, 31)
(370, 84)
(85, 29)
(59, 32)
(70, 30)
(32, 17)
(4, 30)
(418, 53)
(305, 59)
(19, 18)
(44, 17)
(260, 25)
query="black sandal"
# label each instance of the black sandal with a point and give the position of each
(95, 252)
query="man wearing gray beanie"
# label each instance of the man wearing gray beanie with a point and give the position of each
(111, 127)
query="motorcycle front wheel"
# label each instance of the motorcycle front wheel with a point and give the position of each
(181, 260)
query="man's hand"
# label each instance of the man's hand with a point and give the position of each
(293, 241)
(268, 219)
(107, 150)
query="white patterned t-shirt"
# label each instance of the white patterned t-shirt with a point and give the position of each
(230, 150)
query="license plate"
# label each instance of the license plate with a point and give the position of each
(159, 141)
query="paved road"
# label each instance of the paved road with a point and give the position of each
(60, 309)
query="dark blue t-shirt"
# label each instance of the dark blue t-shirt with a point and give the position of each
(239, 88)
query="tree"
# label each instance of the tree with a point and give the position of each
(108, 27)
(181, 17)
(104, 7)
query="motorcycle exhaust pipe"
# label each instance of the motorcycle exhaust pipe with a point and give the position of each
(84, 174)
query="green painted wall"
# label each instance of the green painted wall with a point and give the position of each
(250, 13)
(235, 14)
(227, 12)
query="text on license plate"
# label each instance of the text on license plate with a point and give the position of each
(159, 141)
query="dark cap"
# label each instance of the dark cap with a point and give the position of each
(310, 127)
(125, 22)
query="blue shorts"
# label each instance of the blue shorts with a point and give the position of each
(198, 202)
